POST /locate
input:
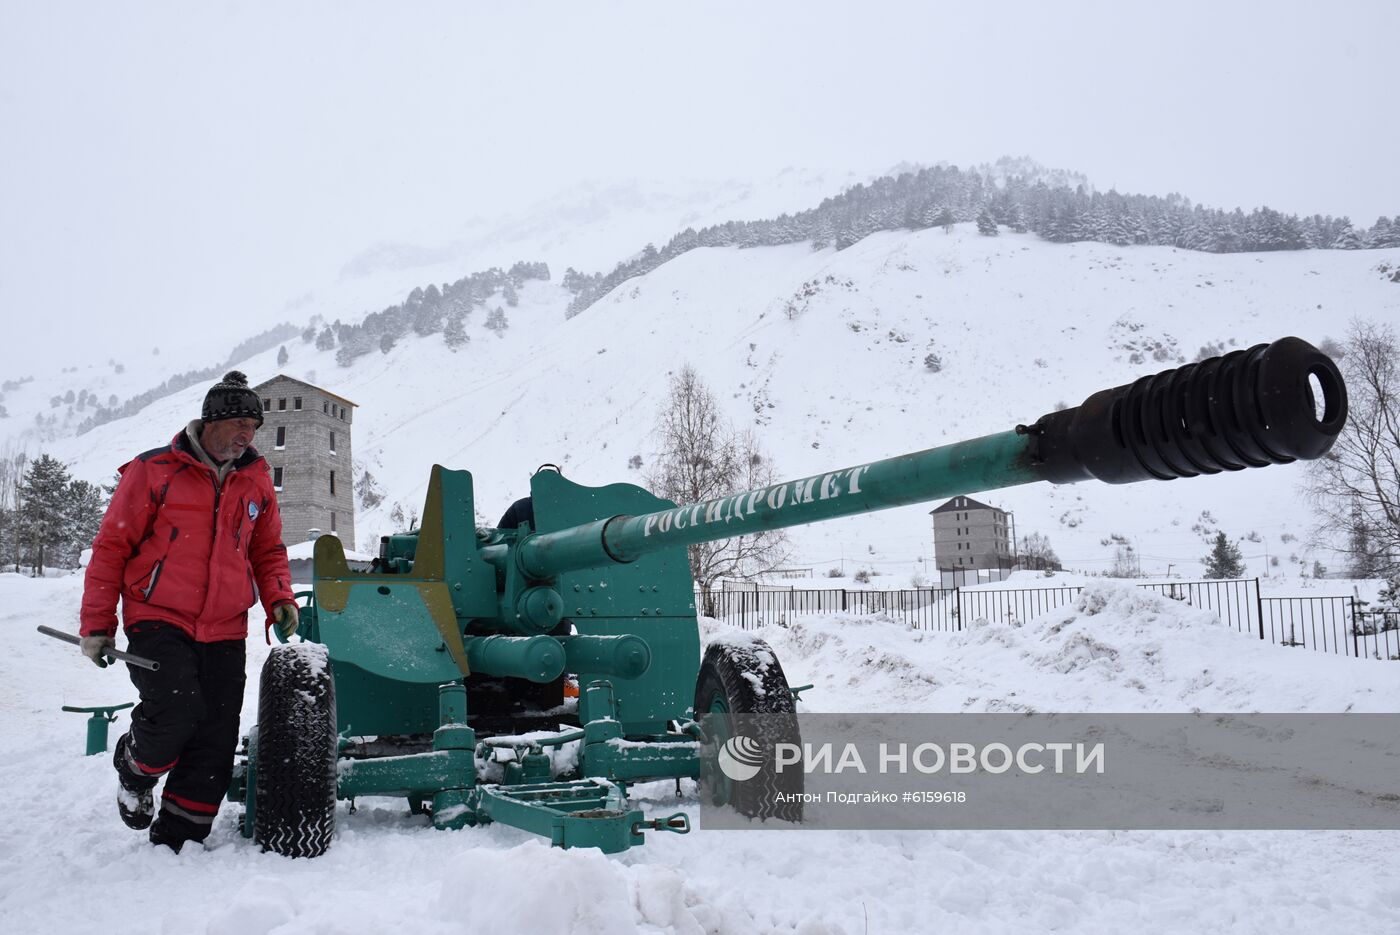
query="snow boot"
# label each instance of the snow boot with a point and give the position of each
(163, 836)
(135, 801)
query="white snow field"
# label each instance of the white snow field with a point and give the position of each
(823, 354)
(67, 865)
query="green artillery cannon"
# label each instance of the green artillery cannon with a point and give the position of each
(437, 677)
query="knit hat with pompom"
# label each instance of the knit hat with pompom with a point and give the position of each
(231, 398)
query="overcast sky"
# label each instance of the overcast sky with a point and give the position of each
(193, 166)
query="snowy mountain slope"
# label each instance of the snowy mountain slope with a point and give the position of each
(67, 864)
(823, 353)
(594, 224)
(590, 227)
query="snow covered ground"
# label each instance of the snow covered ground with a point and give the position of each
(1367, 589)
(823, 354)
(67, 865)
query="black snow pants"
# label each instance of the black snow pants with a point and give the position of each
(186, 726)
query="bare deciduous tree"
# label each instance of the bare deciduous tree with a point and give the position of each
(1037, 555)
(1355, 488)
(12, 467)
(1126, 563)
(701, 457)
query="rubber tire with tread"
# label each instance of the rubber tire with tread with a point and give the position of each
(297, 749)
(749, 680)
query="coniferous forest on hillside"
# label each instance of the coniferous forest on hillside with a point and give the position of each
(1013, 194)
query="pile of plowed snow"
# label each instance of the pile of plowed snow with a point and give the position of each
(1116, 648)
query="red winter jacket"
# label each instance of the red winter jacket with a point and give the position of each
(179, 550)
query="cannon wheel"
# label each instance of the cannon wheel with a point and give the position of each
(296, 755)
(738, 679)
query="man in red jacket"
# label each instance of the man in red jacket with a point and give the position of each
(191, 540)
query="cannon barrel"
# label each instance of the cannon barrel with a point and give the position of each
(1270, 404)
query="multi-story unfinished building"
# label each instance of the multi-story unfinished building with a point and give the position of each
(305, 438)
(968, 534)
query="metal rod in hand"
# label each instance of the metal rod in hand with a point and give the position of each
(114, 654)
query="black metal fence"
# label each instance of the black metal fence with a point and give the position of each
(924, 608)
(1332, 625)
(1235, 601)
(1327, 624)
(1376, 634)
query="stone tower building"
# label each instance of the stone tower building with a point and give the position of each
(305, 438)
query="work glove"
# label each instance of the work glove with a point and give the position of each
(287, 618)
(95, 648)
